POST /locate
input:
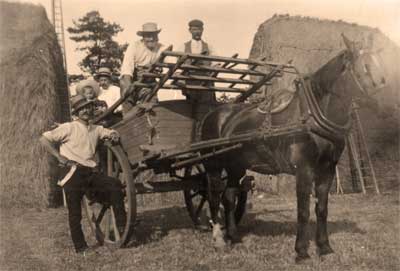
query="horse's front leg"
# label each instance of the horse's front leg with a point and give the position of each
(229, 201)
(304, 178)
(323, 184)
(215, 189)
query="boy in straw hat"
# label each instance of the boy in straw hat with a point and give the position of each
(78, 140)
(90, 90)
(138, 57)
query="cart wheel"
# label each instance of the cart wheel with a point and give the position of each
(195, 199)
(101, 217)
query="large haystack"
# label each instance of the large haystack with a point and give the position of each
(34, 95)
(310, 43)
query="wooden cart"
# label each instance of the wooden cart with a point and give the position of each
(162, 139)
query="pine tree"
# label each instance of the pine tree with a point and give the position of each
(95, 38)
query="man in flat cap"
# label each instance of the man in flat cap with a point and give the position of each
(138, 58)
(198, 46)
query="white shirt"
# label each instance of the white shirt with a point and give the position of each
(138, 54)
(110, 96)
(78, 141)
(196, 46)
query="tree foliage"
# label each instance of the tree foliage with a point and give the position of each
(95, 37)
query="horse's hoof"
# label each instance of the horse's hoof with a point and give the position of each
(234, 239)
(325, 250)
(219, 245)
(302, 258)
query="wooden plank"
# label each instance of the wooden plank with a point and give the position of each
(202, 88)
(255, 87)
(206, 79)
(165, 77)
(167, 186)
(174, 124)
(185, 67)
(194, 160)
(252, 68)
(224, 66)
(227, 59)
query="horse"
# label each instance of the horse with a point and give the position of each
(322, 106)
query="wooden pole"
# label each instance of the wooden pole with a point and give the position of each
(356, 161)
(339, 188)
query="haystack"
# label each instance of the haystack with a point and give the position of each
(310, 43)
(34, 95)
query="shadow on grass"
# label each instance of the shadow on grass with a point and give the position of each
(155, 224)
(287, 226)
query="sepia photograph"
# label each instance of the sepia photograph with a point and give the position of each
(188, 135)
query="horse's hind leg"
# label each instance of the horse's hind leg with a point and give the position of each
(304, 178)
(323, 184)
(215, 189)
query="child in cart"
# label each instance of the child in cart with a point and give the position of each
(90, 90)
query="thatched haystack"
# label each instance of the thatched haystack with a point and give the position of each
(34, 95)
(310, 43)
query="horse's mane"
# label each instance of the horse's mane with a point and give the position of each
(325, 77)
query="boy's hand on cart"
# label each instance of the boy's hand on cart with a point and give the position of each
(114, 136)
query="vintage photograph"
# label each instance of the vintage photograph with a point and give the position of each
(158, 135)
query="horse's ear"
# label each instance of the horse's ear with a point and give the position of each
(349, 44)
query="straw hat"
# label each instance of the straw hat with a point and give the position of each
(88, 83)
(149, 28)
(104, 71)
(77, 102)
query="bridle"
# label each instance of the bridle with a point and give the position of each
(356, 78)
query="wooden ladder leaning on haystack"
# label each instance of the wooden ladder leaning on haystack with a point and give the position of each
(361, 165)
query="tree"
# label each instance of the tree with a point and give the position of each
(95, 37)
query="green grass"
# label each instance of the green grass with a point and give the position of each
(364, 232)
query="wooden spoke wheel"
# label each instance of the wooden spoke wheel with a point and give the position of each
(196, 199)
(101, 217)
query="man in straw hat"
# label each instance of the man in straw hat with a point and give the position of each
(78, 140)
(197, 46)
(138, 57)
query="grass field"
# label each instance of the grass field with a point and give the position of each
(364, 232)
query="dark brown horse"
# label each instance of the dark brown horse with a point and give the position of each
(321, 109)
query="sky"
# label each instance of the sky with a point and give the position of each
(230, 25)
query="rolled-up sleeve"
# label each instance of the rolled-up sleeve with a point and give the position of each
(59, 134)
(128, 64)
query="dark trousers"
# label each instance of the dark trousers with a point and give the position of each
(97, 187)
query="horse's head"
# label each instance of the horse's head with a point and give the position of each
(365, 66)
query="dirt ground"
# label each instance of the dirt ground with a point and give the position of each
(364, 232)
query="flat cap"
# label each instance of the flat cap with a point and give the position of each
(196, 23)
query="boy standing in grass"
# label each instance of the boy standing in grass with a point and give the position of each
(78, 140)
